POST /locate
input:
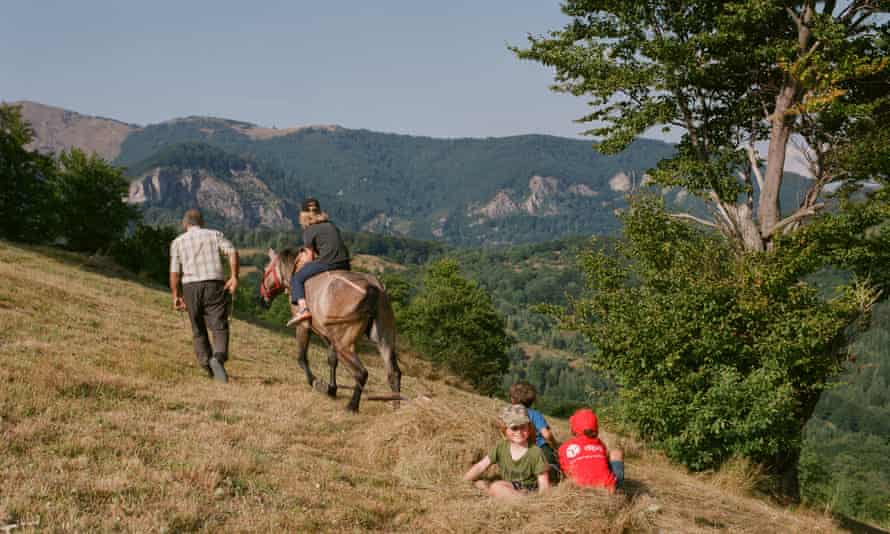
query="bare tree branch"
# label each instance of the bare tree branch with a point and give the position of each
(797, 216)
(852, 9)
(693, 218)
(727, 221)
(794, 16)
(755, 166)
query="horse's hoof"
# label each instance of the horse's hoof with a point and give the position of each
(323, 387)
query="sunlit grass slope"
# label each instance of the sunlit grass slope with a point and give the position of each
(106, 424)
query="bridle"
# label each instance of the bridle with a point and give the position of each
(277, 287)
(274, 270)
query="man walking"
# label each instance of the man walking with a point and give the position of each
(195, 257)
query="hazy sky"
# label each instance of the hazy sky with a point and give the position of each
(422, 67)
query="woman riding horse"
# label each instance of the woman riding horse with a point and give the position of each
(330, 254)
(345, 306)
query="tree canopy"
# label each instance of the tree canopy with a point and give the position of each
(27, 212)
(720, 341)
(76, 197)
(454, 323)
(91, 196)
(717, 355)
(733, 76)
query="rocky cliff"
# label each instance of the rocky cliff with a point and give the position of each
(545, 196)
(240, 198)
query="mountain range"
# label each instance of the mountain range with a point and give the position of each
(467, 191)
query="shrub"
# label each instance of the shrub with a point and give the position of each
(453, 322)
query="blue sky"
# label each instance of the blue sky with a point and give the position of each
(420, 67)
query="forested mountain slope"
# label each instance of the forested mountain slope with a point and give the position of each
(846, 458)
(463, 190)
(466, 191)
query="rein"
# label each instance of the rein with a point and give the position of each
(274, 270)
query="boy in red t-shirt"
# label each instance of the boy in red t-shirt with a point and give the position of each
(585, 459)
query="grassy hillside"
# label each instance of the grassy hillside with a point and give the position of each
(107, 425)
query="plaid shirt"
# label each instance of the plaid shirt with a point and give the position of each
(196, 254)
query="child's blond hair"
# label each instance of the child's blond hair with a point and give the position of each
(502, 427)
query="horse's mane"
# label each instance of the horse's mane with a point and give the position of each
(287, 256)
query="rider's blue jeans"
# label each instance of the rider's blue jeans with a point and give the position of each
(297, 281)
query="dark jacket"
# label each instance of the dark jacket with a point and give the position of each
(325, 239)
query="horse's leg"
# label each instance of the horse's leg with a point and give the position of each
(303, 334)
(332, 366)
(350, 359)
(360, 374)
(329, 388)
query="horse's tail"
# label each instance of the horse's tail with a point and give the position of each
(382, 331)
(370, 305)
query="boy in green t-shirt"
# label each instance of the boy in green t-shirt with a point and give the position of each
(523, 466)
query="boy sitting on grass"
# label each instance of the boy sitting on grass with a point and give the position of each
(585, 459)
(525, 394)
(523, 467)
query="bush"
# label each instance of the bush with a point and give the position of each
(90, 193)
(146, 252)
(453, 322)
(717, 354)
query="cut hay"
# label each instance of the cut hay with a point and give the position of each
(410, 440)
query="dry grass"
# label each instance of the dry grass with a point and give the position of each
(375, 264)
(106, 424)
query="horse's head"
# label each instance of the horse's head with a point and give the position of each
(276, 275)
(272, 283)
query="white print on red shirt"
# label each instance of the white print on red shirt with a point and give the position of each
(575, 449)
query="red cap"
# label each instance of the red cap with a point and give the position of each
(583, 419)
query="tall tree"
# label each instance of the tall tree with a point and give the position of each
(731, 75)
(694, 328)
(27, 211)
(455, 324)
(91, 192)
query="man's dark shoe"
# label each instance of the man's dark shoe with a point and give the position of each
(219, 371)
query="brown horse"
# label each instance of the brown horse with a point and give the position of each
(344, 305)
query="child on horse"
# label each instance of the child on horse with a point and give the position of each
(323, 239)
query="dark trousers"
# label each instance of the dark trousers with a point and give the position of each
(298, 290)
(207, 303)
